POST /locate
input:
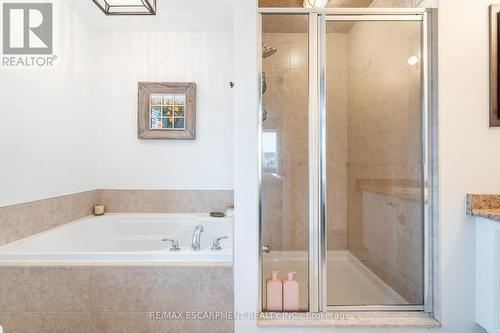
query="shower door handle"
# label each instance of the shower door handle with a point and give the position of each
(266, 249)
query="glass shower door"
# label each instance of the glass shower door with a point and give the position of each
(344, 147)
(374, 165)
(285, 152)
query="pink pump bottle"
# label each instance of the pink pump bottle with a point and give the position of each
(290, 293)
(274, 293)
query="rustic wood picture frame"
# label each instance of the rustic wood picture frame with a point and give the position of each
(494, 65)
(144, 128)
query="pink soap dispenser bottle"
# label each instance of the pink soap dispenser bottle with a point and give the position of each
(274, 293)
(290, 293)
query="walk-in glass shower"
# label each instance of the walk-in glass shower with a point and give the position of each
(344, 153)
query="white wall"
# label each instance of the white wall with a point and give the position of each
(201, 57)
(47, 123)
(184, 42)
(73, 127)
(469, 153)
(469, 159)
(246, 276)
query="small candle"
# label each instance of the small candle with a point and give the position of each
(98, 210)
(230, 210)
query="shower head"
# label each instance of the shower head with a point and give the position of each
(268, 51)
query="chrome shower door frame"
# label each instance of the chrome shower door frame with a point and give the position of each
(318, 19)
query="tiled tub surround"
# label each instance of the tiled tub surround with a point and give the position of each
(22, 220)
(484, 205)
(165, 201)
(112, 299)
(126, 239)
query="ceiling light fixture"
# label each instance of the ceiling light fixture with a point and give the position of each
(315, 3)
(127, 7)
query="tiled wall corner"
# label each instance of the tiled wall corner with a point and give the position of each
(23, 220)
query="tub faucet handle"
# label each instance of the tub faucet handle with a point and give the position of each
(216, 243)
(174, 247)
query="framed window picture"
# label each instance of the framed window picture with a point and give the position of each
(494, 65)
(167, 111)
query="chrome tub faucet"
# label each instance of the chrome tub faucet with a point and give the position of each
(195, 243)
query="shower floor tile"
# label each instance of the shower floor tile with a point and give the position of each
(352, 283)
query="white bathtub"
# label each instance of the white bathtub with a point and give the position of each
(125, 238)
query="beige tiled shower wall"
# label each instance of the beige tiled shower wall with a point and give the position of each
(22, 220)
(286, 101)
(285, 196)
(336, 116)
(373, 152)
(113, 299)
(385, 223)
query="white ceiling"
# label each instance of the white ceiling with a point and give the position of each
(172, 15)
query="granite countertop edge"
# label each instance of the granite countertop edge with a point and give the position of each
(484, 205)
